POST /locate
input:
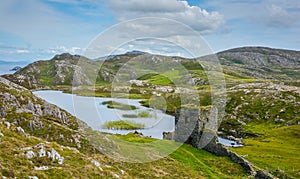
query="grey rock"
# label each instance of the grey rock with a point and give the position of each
(61, 160)
(20, 130)
(7, 124)
(41, 168)
(31, 125)
(33, 177)
(30, 154)
(54, 155)
(42, 152)
(96, 163)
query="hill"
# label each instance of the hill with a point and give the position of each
(262, 62)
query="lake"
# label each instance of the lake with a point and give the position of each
(95, 114)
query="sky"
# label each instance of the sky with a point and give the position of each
(38, 29)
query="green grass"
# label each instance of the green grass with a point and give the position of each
(122, 124)
(276, 148)
(200, 162)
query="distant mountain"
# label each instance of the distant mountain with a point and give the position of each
(129, 53)
(240, 63)
(136, 52)
(263, 62)
(16, 68)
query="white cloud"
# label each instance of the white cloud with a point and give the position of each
(63, 49)
(270, 13)
(22, 51)
(278, 17)
(193, 16)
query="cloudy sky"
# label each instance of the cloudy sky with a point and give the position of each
(39, 29)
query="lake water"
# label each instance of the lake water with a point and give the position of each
(95, 114)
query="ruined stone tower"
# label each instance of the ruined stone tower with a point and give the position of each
(194, 126)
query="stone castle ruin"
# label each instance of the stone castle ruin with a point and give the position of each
(198, 127)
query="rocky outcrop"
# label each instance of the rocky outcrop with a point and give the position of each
(23, 101)
(28, 115)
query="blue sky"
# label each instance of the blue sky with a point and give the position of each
(38, 29)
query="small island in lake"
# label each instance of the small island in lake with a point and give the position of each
(124, 125)
(142, 114)
(117, 105)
